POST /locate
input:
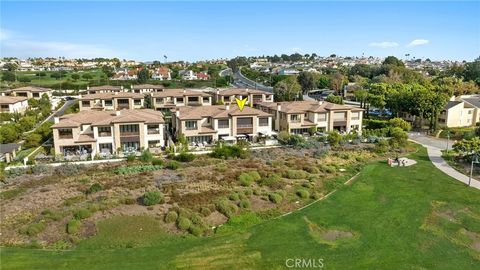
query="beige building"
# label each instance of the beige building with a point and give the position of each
(254, 96)
(111, 101)
(31, 92)
(297, 117)
(104, 89)
(207, 124)
(463, 111)
(9, 104)
(172, 98)
(88, 133)
(146, 88)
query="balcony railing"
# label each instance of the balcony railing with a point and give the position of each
(104, 134)
(295, 120)
(128, 134)
(244, 125)
(153, 131)
(65, 136)
(244, 130)
(223, 126)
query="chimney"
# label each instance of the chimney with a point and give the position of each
(56, 120)
(117, 113)
(320, 102)
(177, 113)
(88, 87)
(246, 90)
(115, 93)
(184, 91)
(279, 106)
(227, 106)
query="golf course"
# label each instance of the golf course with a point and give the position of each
(385, 218)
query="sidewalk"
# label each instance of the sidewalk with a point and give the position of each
(435, 155)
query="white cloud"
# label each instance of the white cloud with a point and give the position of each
(296, 50)
(418, 42)
(384, 44)
(13, 44)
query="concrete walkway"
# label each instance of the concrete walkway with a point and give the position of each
(435, 155)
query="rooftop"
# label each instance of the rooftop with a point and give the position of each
(147, 86)
(217, 111)
(241, 91)
(11, 100)
(179, 93)
(32, 89)
(111, 95)
(308, 106)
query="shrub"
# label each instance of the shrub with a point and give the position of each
(172, 165)
(137, 169)
(399, 122)
(171, 216)
(303, 193)
(157, 162)
(82, 213)
(327, 168)
(275, 197)
(296, 174)
(226, 208)
(146, 156)
(40, 169)
(228, 151)
(244, 204)
(129, 201)
(94, 188)
(375, 124)
(283, 137)
(248, 192)
(195, 230)
(311, 169)
(205, 211)
(131, 158)
(381, 146)
(334, 138)
(183, 223)
(185, 157)
(270, 181)
(73, 226)
(152, 198)
(399, 137)
(246, 179)
(49, 214)
(233, 197)
(35, 228)
(68, 169)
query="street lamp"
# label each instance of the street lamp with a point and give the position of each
(474, 160)
(448, 139)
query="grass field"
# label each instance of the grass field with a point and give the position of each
(388, 218)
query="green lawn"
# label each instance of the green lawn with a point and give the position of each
(396, 218)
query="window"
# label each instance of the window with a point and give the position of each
(104, 131)
(105, 148)
(86, 103)
(223, 123)
(339, 116)
(130, 146)
(305, 115)
(263, 122)
(36, 95)
(108, 102)
(180, 100)
(154, 144)
(322, 117)
(191, 125)
(246, 122)
(206, 99)
(123, 102)
(355, 115)
(129, 129)
(295, 118)
(153, 129)
(158, 100)
(199, 139)
(137, 102)
(470, 112)
(65, 133)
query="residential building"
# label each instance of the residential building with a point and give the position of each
(202, 76)
(161, 73)
(171, 98)
(187, 75)
(8, 152)
(254, 96)
(31, 92)
(208, 124)
(146, 88)
(111, 101)
(463, 111)
(9, 104)
(90, 133)
(125, 74)
(104, 89)
(297, 117)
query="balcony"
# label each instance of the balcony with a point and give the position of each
(244, 129)
(123, 106)
(65, 136)
(223, 126)
(104, 134)
(153, 131)
(129, 134)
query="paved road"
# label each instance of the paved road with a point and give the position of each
(434, 148)
(59, 112)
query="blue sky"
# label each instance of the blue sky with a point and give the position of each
(205, 30)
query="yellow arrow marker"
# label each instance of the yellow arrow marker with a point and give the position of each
(241, 103)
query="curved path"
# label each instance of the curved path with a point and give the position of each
(434, 148)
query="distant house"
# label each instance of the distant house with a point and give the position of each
(288, 72)
(8, 152)
(104, 89)
(187, 75)
(30, 92)
(463, 111)
(161, 73)
(202, 76)
(171, 98)
(125, 74)
(253, 96)
(10, 104)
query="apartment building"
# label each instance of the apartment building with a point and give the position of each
(254, 96)
(112, 101)
(12, 104)
(297, 117)
(88, 133)
(171, 98)
(463, 111)
(104, 89)
(30, 92)
(208, 124)
(146, 88)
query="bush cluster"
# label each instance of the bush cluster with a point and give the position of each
(246, 179)
(73, 226)
(82, 213)
(185, 157)
(275, 197)
(137, 169)
(228, 151)
(303, 193)
(172, 165)
(296, 174)
(152, 198)
(227, 208)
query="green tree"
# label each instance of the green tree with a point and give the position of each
(8, 133)
(472, 72)
(392, 60)
(323, 82)
(143, 75)
(334, 99)
(33, 140)
(56, 75)
(75, 76)
(307, 81)
(8, 76)
(10, 67)
(337, 81)
(87, 76)
(361, 96)
(287, 90)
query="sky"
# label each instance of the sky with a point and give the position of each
(191, 31)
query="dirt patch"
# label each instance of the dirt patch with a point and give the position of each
(259, 204)
(216, 218)
(333, 235)
(448, 215)
(475, 238)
